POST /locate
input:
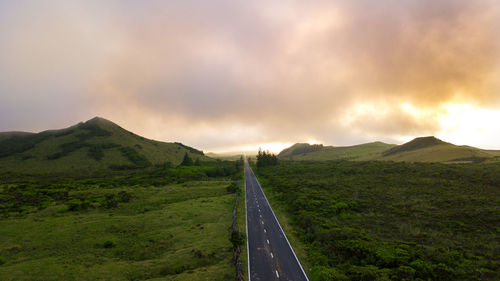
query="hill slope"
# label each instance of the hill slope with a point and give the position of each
(431, 149)
(95, 144)
(304, 151)
(422, 149)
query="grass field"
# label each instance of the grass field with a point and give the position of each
(390, 221)
(173, 232)
(158, 223)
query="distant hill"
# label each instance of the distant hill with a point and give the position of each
(431, 149)
(304, 151)
(422, 149)
(300, 148)
(95, 144)
(226, 156)
(415, 144)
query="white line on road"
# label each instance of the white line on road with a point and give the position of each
(265, 230)
(286, 238)
(260, 216)
(262, 222)
(272, 256)
(246, 226)
(277, 275)
(267, 241)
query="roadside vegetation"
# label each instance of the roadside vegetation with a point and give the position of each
(391, 221)
(160, 222)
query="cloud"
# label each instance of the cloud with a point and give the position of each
(230, 73)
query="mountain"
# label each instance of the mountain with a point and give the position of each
(95, 144)
(304, 151)
(421, 149)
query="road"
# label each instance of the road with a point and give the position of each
(270, 255)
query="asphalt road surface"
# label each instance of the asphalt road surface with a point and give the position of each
(270, 255)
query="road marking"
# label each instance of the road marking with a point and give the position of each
(246, 226)
(260, 216)
(277, 275)
(265, 230)
(267, 241)
(274, 215)
(272, 256)
(262, 222)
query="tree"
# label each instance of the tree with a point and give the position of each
(187, 161)
(197, 162)
(266, 158)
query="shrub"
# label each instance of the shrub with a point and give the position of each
(77, 205)
(443, 272)
(136, 158)
(405, 272)
(323, 273)
(108, 244)
(124, 196)
(237, 238)
(233, 188)
(110, 201)
(364, 273)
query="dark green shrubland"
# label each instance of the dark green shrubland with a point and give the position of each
(392, 221)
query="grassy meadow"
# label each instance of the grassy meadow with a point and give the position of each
(157, 224)
(390, 221)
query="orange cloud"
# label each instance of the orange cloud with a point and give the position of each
(284, 71)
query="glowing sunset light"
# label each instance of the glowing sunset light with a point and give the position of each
(469, 125)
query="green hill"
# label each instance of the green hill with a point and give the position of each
(431, 149)
(93, 145)
(422, 149)
(300, 149)
(415, 144)
(304, 151)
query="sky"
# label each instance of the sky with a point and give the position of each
(231, 75)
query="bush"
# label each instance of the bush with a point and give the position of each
(323, 273)
(77, 205)
(443, 272)
(111, 201)
(124, 196)
(237, 238)
(109, 244)
(233, 188)
(139, 160)
(364, 273)
(2, 260)
(405, 272)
